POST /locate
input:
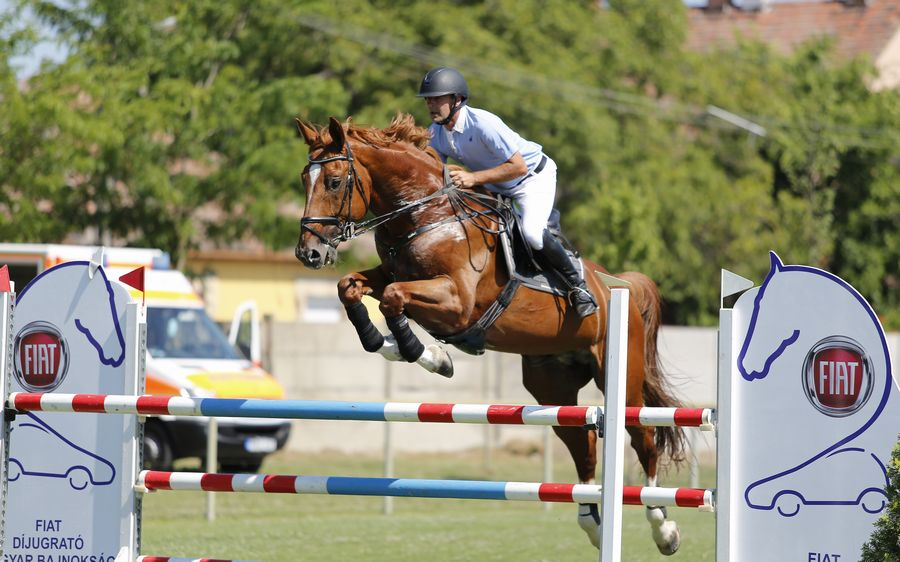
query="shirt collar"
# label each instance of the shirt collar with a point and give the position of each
(461, 121)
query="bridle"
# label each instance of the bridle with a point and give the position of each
(461, 201)
(347, 227)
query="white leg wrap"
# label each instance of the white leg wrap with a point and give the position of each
(589, 521)
(389, 350)
(434, 359)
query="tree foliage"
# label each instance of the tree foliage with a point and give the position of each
(884, 544)
(170, 124)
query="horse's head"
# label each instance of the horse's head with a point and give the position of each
(336, 194)
(768, 335)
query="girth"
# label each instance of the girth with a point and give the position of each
(525, 273)
(471, 340)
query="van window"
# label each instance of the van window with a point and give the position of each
(22, 274)
(186, 333)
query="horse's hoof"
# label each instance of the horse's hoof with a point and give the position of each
(436, 360)
(670, 546)
(444, 362)
(665, 532)
(446, 368)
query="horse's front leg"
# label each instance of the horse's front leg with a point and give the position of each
(351, 289)
(401, 344)
(435, 301)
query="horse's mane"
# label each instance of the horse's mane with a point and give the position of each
(403, 129)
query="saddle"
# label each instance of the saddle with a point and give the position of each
(524, 270)
(520, 260)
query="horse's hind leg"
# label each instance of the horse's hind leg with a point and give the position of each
(665, 531)
(556, 379)
(644, 439)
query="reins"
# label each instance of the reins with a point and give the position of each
(462, 202)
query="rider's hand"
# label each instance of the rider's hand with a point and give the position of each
(462, 178)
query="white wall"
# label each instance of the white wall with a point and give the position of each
(326, 362)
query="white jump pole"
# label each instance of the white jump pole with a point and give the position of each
(723, 434)
(731, 284)
(212, 463)
(6, 320)
(614, 426)
(135, 367)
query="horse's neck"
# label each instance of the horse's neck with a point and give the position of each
(401, 179)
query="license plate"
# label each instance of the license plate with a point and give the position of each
(260, 444)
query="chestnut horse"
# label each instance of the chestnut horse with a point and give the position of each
(441, 267)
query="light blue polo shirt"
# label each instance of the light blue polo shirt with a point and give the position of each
(481, 140)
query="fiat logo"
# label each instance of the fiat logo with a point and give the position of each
(837, 376)
(41, 357)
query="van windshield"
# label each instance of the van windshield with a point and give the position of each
(186, 333)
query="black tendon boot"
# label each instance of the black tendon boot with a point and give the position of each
(579, 297)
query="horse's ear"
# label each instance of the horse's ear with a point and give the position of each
(310, 135)
(775, 262)
(338, 137)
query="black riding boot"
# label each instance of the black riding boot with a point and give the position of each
(579, 297)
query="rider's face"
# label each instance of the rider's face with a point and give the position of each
(439, 106)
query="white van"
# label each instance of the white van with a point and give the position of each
(188, 354)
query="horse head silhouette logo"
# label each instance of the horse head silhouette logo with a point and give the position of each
(810, 324)
(73, 297)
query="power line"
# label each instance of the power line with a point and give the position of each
(669, 109)
(621, 102)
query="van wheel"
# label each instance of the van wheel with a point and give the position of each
(241, 466)
(157, 449)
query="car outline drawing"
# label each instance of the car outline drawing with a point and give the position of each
(787, 498)
(78, 475)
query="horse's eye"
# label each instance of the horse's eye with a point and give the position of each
(332, 182)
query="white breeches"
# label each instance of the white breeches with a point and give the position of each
(534, 201)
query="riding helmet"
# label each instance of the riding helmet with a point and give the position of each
(441, 81)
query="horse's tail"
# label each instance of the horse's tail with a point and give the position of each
(658, 391)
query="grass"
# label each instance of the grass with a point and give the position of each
(295, 528)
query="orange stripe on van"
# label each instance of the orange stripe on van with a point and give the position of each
(160, 388)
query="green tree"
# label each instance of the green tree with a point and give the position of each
(884, 544)
(30, 177)
(170, 125)
(165, 134)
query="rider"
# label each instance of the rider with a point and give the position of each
(503, 162)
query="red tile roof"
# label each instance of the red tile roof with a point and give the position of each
(858, 29)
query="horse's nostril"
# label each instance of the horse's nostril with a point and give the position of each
(310, 257)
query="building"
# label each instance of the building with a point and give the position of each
(859, 27)
(283, 289)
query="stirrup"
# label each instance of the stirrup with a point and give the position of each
(582, 301)
(580, 291)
